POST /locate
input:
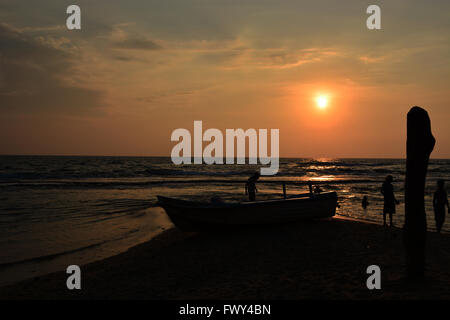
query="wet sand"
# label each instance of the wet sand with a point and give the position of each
(316, 260)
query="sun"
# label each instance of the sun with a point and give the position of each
(322, 101)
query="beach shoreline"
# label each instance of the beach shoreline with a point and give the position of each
(324, 259)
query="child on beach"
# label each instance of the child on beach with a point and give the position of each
(250, 186)
(365, 202)
(389, 199)
(440, 200)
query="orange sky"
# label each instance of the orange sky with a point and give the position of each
(140, 69)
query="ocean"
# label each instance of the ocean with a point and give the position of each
(56, 211)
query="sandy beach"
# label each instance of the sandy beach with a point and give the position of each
(316, 260)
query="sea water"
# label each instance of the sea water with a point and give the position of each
(56, 210)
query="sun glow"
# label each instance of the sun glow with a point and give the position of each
(322, 101)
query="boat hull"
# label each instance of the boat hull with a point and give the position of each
(195, 216)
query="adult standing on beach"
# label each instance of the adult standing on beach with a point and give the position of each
(440, 200)
(389, 199)
(250, 186)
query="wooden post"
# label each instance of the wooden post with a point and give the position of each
(284, 190)
(419, 145)
(310, 187)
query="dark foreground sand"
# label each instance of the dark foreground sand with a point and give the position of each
(318, 260)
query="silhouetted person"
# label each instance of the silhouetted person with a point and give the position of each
(250, 186)
(389, 199)
(440, 200)
(364, 202)
(317, 190)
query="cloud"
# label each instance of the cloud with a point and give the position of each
(123, 58)
(139, 44)
(123, 36)
(368, 59)
(35, 73)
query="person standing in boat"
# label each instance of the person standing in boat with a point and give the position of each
(250, 186)
(389, 199)
(440, 200)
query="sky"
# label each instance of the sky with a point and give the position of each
(139, 69)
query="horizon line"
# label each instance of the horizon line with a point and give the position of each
(158, 156)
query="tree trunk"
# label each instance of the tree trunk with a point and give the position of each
(419, 145)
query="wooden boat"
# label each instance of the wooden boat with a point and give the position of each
(197, 216)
